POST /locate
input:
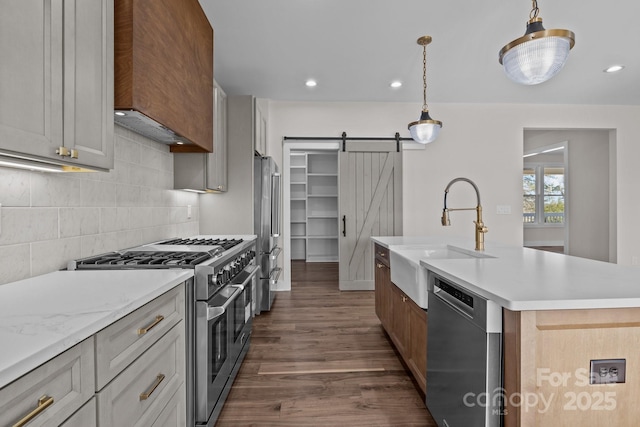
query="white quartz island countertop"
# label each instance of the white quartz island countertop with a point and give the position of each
(522, 279)
(43, 316)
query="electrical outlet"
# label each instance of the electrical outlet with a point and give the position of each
(188, 211)
(503, 210)
(608, 371)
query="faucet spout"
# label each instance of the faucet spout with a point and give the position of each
(480, 228)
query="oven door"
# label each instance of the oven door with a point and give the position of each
(246, 281)
(215, 352)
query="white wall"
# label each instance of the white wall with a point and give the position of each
(480, 142)
(232, 212)
(49, 219)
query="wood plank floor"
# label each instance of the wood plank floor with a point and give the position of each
(321, 358)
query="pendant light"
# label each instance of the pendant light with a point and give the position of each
(426, 129)
(538, 55)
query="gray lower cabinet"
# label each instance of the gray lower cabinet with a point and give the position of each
(140, 364)
(119, 344)
(56, 81)
(85, 417)
(138, 395)
(131, 373)
(54, 391)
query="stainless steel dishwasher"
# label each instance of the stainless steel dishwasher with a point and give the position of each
(464, 357)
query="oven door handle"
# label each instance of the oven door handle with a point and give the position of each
(256, 270)
(217, 311)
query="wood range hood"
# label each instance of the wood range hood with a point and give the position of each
(163, 65)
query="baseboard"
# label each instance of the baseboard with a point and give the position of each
(544, 243)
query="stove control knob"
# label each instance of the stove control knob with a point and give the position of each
(227, 274)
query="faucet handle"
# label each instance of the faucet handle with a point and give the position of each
(481, 227)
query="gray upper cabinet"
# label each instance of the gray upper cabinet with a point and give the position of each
(206, 172)
(261, 116)
(217, 161)
(56, 81)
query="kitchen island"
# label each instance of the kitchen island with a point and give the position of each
(559, 314)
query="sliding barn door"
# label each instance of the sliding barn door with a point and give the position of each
(370, 205)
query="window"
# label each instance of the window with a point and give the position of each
(544, 195)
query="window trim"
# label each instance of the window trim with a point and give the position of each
(539, 167)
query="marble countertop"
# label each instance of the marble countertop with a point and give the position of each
(43, 316)
(521, 279)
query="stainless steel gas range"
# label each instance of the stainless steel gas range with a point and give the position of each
(220, 304)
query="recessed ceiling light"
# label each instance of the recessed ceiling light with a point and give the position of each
(311, 83)
(614, 68)
(396, 84)
(119, 113)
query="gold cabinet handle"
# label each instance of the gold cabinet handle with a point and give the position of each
(147, 394)
(43, 403)
(143, 331)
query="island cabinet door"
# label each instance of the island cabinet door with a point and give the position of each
(418, 344)
(382, 293)
(400, 321)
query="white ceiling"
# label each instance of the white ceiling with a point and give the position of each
(355, 48)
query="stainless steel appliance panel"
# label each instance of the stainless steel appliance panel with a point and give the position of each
(464, 359)
(215, 349)
(267, 205)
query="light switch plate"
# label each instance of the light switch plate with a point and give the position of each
(608, 371)
(503, 210)
(188, 211)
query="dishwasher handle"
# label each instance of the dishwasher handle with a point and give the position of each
(458, 300)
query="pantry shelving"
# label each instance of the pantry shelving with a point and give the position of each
(314, 206)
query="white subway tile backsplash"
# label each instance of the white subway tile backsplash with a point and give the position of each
(50, 219)
(130, 238)
(50, 189)
(126, 149)
(127, 195)
(152, 197)
(98, 243)
(79, 221)
(24, 225)
(140, 217)
(97, 193)
(52, 255)
(114, 219)
(187, 229)
(15, 263)
(14, 187)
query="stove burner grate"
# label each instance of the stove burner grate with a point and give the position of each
(225, 243)
(139, 259)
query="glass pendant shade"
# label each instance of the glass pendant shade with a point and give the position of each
(538, 55)
(426, 129)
